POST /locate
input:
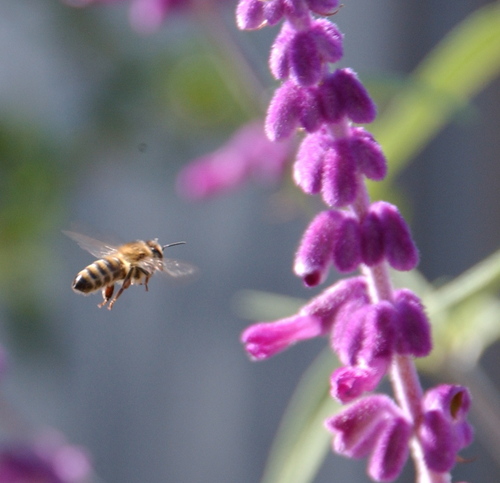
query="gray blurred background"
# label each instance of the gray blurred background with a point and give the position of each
(94, 131)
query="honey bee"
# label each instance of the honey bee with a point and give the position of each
(133, 263)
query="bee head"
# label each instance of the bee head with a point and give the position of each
(156, 248)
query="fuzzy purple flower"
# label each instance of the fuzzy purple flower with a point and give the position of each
(342, 95)
(315, 253)
(373, 329)
(373, 426)
(303, 54)
(412, 325)
(308, 167)
(265, 339)
(445, 430)
(364, 340)
(400, 250)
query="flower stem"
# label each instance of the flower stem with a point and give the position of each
(403, 374)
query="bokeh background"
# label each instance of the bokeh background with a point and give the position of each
(96, 121)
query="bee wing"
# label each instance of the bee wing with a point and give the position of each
(177, 268)
(95, 247)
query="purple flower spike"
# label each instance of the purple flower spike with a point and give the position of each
(412, 325)
(347, 244)
(340, 183)
(314, 255)
(391, 451)
(369, 155)
(400, 250)
(445, 429)
(283, 114)
(355, 100)
(250, 14)
(266, 339)
(308, 167)
(357, 427)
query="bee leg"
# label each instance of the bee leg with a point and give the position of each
(147, 276)
(126, 284)
(107, 293)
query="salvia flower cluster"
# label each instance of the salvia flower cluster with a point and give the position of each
(374, 329)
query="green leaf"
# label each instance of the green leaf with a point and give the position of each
(457, 69)
(482, 277)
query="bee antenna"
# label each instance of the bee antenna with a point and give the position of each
(174, 244)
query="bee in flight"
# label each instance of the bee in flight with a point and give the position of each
(133, 263)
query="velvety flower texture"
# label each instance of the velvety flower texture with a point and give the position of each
(372, 328)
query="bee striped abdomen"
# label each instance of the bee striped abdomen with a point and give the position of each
(99, 274)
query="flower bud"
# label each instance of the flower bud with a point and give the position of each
(266, 339)
(283, 114)
(340, 182)
(308, 166)
(347, 244)
(250, 14)
(412, 325)
(368, 154)
(279, 58)
(348, 383)
(445, 429)
(357, 427)
(355, 100)
(391, 450)
(372, 239)
(306, 63)
(342, 94)
(400, 250)
(311, 118)
(314, 255)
